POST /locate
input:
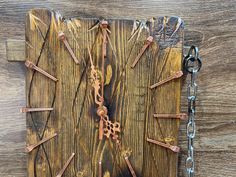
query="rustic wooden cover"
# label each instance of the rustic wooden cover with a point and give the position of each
(127, 96)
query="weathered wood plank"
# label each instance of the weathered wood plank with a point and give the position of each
(161, 101)
(40, 92)
(15, 50)
(210, 163)
(128, 98)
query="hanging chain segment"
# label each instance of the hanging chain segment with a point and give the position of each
(192, 65)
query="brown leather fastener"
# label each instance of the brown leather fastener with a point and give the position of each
(149, 40)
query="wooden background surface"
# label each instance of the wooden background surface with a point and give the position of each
(209, 24)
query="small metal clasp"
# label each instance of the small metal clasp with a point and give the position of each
(192, 62)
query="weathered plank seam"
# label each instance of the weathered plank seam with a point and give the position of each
(29, 102)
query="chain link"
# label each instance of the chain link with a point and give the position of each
(192, 65)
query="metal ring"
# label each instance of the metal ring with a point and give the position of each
(195, 49)
(189, 163)
(192, 91)
(192, 57)
(191, 129)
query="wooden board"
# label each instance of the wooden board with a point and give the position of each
(128, 97)
(15, 50)
(215, 36)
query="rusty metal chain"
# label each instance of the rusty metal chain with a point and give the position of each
(192, 65)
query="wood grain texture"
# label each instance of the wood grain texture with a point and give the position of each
(208, 24)
(15, 50)
(128, 97)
